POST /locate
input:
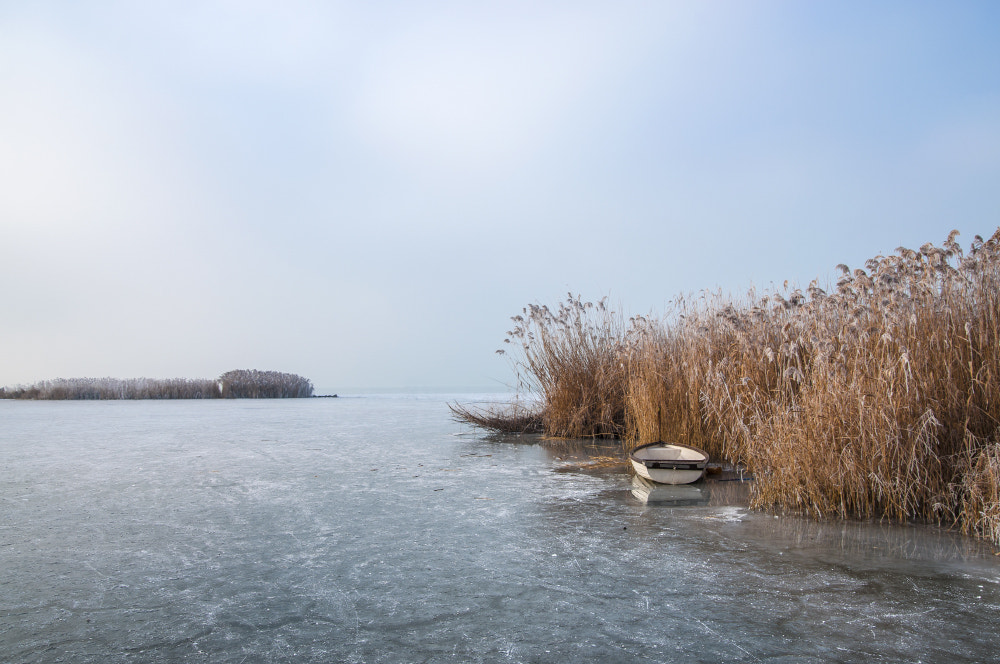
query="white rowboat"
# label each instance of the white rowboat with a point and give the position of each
(669, 463)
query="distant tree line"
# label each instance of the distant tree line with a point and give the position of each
(237, 384)
(253, 384)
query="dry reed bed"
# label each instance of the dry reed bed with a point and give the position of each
(515, 417)
(878, 400)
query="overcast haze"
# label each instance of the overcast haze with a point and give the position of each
(364, 193)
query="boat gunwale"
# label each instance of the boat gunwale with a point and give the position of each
(671, 464)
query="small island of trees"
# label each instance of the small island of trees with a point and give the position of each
(236, 384)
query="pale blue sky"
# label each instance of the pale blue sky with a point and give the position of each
(364, 193)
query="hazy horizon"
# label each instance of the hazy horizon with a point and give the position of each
(364, 193)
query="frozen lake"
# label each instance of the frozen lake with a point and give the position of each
(375, 529)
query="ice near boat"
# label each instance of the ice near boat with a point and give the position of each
(669, 463)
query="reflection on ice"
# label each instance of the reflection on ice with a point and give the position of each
(672, 495)
(870, 540)
(709, 491)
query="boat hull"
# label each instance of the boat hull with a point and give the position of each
(667, 476)
(667, 463)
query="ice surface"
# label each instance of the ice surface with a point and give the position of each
(366, 530)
